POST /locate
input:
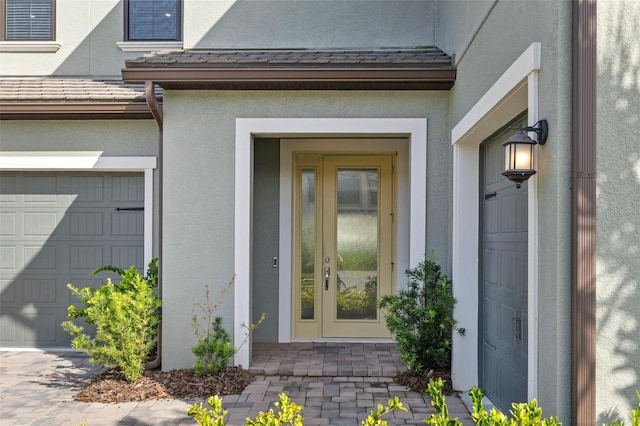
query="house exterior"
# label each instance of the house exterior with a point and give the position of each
(312, 151)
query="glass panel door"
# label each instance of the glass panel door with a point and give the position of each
(343, 244)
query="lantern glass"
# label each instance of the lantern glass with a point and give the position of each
(518, 156)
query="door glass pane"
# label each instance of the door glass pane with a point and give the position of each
(308, 244)
(357, 244)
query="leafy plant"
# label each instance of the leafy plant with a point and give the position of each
(213, 351)
(126, 317)
(214, 348)
(524, 414)
(375, 417)
(421, 317)
(439, 401)
(212, 417)
(289, 414)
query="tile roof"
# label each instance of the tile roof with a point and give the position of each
(70, 90)
(430, 57)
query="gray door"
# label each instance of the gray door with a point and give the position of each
(55, 228)
(503, 282)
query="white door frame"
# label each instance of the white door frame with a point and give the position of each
(515, 91)
(90, 161)
(413, 129)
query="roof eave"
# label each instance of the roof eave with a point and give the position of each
(73, 110)
(301, 78)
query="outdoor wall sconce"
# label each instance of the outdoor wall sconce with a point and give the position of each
(518, 152)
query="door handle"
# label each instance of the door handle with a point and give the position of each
(327, 272)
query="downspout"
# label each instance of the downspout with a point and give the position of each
(156, 111)
(583, 213)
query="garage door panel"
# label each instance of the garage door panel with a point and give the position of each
(7, 257)
(56, 228)
(128, 188)
(127, 223)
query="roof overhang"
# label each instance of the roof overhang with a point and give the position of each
(74, 110)
(302, 78)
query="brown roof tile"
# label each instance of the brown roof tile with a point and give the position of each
(71, 90)
(430, 57)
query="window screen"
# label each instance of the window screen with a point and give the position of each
(153, 20)
(28, 20)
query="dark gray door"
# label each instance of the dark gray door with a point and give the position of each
(503, 281)
(55, 228)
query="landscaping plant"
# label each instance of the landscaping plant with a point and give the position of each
(375, 417)
(212, 417)
(214, 348)
(421, 317)
(523, 414)
(126, 317)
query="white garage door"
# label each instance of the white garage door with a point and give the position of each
(55, 228)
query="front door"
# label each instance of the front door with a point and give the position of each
(343, 244)
(503, 282)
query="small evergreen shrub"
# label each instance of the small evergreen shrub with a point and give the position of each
(214, 348)
(126, 317)
(421, 317)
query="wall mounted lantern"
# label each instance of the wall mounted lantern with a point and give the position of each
(518, 152)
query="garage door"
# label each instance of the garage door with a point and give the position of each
(55, 228)
(503, 283)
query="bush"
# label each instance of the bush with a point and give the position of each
(421, 317)
(126, 317)
(523, 414)
(214, 348)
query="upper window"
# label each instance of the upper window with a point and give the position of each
(151, 20)
(28, 20)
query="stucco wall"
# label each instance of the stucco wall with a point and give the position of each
(111, 137)
(309, 23)
(89, 30)
(199, 187)
(502, 35)
(618, 210)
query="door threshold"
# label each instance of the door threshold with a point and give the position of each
(343, 340)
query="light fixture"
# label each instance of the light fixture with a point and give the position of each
(518, 152)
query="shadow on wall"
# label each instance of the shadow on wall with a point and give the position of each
(318, 24)
(618, 215)
(260, 24)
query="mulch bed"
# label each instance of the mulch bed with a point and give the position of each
(418, 382)
(113, 387)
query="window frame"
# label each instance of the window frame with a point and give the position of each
(179, 5)
(3, 25)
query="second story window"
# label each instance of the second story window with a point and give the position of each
(27, 20)
(151, 20)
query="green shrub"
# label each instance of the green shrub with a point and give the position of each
(439, 401)
(214, 348)
(375, 417)
(213, 351)
(126, 317)
(421, 317)
(523, 414)
(213, 417)
(288, 414)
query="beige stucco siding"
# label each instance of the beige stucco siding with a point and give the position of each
(199, 185)
(618, 210)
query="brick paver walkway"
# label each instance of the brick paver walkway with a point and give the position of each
(38, 388)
